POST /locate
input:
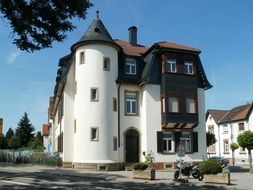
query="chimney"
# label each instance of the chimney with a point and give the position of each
(133, 35)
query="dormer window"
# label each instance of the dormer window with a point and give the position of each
(130, 67)
(171, 65)
(188, 67)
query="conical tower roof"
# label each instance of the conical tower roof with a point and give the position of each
(95, 33)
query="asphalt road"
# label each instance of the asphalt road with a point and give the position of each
(34, 177)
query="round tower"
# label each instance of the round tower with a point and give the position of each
(96, 70)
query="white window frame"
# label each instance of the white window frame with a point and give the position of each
(171, 106)
(82, 57)
(168, 139)
(131, 99)
(226, 146)
(92, 98)
(171, 65)
(92, 136)
(225, 129)
(130, 67)
(187, 140)
(189, 108)
(107, 64)
(188, 67)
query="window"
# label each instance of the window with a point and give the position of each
(75, 87)
(94, 134)
(131, 103)
(241, 126)
(188, 67)
(171, 65)
(242, 150)
(114, 104)
(81, 58)
(225, 146)
(225, 129)
(211, 129)
(115, 147)
(130, 67)
(106, 64)
(187, 141)
(190, 105)
(173, 104)
(168, 144)
(163, 104)
(94, 94)
(74, 126)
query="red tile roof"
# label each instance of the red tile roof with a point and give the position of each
(172, 45)
(45, 129)
(131, 50)
(217, 114)
(237, 113)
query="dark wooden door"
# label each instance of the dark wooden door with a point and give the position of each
(132, 146)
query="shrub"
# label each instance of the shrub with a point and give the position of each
(149, 159)
(210, 167)
(140, 166)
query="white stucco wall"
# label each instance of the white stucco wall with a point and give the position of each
(95, 114)
(68, 116)
(150, 118)
(126, 121)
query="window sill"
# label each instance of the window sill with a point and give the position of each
(242, 153)
(131, 114)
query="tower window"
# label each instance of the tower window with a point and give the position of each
(81, 57)
(94, 94)
(106, 64)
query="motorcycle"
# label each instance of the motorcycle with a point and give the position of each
(187, 170)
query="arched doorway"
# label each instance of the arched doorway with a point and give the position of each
(132, 146)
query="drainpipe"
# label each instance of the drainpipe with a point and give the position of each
(119, 115)
(219, 138)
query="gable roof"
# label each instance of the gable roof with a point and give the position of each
(237, 114)
(216, 114)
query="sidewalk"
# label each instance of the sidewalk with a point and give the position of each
(240, 178)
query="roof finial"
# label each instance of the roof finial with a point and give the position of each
(97, 13)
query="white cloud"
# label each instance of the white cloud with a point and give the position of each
(13, 57)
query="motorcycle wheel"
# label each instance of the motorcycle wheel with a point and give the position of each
(176, 174)
(200, 177)
(195, 174)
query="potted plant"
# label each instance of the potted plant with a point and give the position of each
(212, 171)
(145, 170)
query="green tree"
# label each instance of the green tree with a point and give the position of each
(14, 142)
(36, 24)
(24, 131)
(245, 140)
(3, 143)
(210, 139)
(37, 143)
(9, 135)
(233, 147)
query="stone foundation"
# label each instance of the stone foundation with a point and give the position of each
(98, 166)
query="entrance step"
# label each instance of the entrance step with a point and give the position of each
(129, 166)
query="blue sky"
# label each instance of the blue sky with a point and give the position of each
(223, 30)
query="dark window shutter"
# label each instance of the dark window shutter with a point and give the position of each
(177, 139)
(195, 141)
(159, 141)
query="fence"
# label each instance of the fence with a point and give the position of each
(29, 157)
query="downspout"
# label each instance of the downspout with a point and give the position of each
(119, 115)
(219, 139)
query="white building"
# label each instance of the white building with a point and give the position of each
(227, 125)
(114, 101)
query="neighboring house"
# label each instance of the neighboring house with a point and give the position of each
(226, 125)
(115, 101)
(46, 138)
